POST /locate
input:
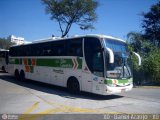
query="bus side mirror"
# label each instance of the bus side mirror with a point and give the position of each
(139, 58)
(111, 55)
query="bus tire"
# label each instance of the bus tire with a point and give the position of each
(16, 74)
(73, 85)
(22, 75)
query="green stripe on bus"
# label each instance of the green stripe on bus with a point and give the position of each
(48, 62)
(123, 81)
(29, 62)
(63, 63)
(18, 61)
(108, 81)
(66, 63)
(31, 69)
(53, 62)
(119, 81)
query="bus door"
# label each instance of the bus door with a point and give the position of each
(98, 72)
(93, 66)
(86, 78)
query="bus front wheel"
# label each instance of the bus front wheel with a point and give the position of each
(73, 85)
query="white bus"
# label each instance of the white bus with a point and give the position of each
(94, 63)
(3, 59)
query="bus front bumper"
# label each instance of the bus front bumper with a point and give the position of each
(114, 90)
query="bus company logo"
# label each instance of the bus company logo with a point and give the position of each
(4, 116)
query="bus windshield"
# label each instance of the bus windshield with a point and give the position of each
(121, 68)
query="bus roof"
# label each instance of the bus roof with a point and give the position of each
(76, 36)
(105, 36)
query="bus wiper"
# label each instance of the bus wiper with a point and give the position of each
(124, 64)
(128, 70)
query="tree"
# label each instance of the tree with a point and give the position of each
(5, 44)
(139, 43)
(135, 40)
(151, 66)
(148, 45)
(67, 12)
(150, 54)
(151, 24)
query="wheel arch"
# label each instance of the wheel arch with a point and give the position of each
(16, 70)
(73, 78)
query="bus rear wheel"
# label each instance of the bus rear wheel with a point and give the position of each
(73, 85)
(16, 74)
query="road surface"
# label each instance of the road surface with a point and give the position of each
(30, 97)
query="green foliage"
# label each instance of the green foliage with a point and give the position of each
(151, 65)
(151, 24)
(4, 43)
(135, 40)
(67, 12)
(149, 71)
(148, 46)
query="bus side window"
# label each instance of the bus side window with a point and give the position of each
(58, 48)
(74, 47)
(11, 51)
(94, 56)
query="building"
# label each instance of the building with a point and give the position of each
(16, 40)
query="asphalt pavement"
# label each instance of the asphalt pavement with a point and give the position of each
(30, 97)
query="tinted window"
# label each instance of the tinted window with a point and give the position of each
(94, 56)
(25, 50)
(74, 47)
(11, 51)
(43, 49)
(2, 54)
(14, 51)
(58, 48)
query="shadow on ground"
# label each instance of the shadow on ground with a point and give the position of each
(52, 89)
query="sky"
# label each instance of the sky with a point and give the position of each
(28, 19)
